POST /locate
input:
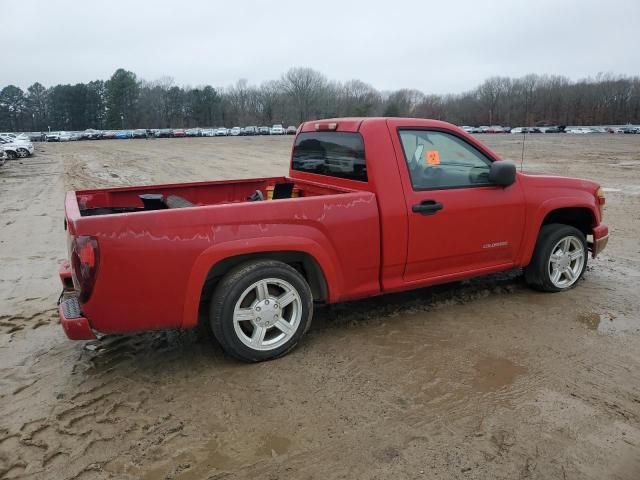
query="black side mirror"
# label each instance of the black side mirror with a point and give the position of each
(502, 173)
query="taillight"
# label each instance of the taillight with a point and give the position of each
(85, 259)
(600, 200)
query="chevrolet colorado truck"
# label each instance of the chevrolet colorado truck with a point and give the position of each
(370, 206)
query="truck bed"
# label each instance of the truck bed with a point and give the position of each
(128, 199)
(168, 253)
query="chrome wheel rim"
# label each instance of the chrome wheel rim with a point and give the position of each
(267, 314)
(22, 153)
(566, 262)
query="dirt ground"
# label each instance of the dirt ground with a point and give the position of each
(482, 379)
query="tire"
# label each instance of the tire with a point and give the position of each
(22, 152)
(559, 259)
(11, 155)
(249, 321)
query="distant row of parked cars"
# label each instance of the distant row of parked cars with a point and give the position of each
(91, 134)
(552, 129)
(13, 145)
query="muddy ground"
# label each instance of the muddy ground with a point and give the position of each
(476, 380)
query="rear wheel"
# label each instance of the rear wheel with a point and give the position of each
(11, 155)
(260, 310)
(559, 259)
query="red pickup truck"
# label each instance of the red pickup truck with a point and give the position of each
(370, 206)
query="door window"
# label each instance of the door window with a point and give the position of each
(439, 160)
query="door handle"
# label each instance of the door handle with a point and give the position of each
(427, 207)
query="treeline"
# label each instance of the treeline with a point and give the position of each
(124, 101)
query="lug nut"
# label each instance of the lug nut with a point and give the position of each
(266, 302)
(257, 309)
(276, 306)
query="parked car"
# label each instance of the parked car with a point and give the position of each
(291, 130)
(552, 129)
(64, 137)
(16, 137)
(163, 133)
(193, 132)
(235, 131)
(277, 129)
(252, 269)
(14, 149)
(580, 130)
(53, 137)
(75, 136)
(124, 134)
(208, 132)
(630, 129)
(109, 135)
(139, 133)
(264, 131)
(221, 132)
(91, 134)
(179, 133)
(37, 136)
(250, 131)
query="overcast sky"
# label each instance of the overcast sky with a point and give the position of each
(435, 46)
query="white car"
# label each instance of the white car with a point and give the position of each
(222, 132)
(208, 132)
(16, 149)
(18, 138)
(580, 130)
(235, 131)
(277, 129)
(64, 137)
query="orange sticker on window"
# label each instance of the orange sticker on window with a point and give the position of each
(432, 157)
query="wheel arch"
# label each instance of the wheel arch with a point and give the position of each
(303, 262)
(578, 214)
(581, 218)
(316, 265)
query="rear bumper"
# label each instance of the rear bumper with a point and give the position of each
(75, 325)
(600, 239)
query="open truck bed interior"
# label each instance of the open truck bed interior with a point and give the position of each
(159, 197)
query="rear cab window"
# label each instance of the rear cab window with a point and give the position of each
(335, 154)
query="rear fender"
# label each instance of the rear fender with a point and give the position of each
(324, 256)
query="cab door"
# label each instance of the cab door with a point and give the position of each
(459, 223)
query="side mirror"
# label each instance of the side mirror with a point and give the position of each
(502, 173)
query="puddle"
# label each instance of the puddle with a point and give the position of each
(273, 445)
(590, 320)
(609, 324)
(493, 373)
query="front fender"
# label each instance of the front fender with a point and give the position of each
(537, 218)
(325, 256)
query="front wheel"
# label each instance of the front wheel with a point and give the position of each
(260, 310)
(23, 152)
(559, 258)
